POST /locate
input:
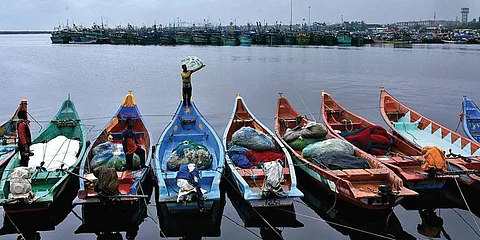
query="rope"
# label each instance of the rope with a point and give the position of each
(473, 229)
(150, 214)
(18, 230)
(306, 106)
(466, 204)
(256, 235)
(341, 225)
(263, 219)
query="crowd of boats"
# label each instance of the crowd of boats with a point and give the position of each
(258, 35)
(412, 161)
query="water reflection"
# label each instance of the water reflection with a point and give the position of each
(271, 224)
(429, 202)
(108, 218)
(193, 224)
(28, 224)
(350, 220)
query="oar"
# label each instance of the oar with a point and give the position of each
(76, 175)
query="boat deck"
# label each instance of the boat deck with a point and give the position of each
(425, 137)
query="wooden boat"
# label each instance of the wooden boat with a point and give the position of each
(248, 182)
(402, 158)
(188, 125)
(462, 153)
(361, 187)
(471, 119)
(47, 182)
(127, 209)
(8, 137)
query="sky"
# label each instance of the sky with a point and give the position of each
(45, 14)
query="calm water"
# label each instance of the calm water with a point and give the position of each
(430, 79)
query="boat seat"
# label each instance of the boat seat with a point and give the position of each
(258, 172)
(242, 121)
(361, 174)
(178, 137)
(118, 136)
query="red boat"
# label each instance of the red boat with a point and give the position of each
(362, 187)
(421, 131)
(8, 137)
(401, 157)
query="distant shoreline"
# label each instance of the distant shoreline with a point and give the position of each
(5, 32)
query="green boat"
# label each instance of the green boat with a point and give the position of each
(8, 137)
(183, 38)
(229, 40)
(49, 178)
(290, 38)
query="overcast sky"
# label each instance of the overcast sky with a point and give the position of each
(44, 14)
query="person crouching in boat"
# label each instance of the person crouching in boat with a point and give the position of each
(25, 138)
(187, 83)
(131, 146)
(188, 180)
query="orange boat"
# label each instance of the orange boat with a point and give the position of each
(463, 153)
(366, 188)
(404, 159)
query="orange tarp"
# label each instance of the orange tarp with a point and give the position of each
(434, 158)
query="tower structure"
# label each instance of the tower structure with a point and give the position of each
(465, 12)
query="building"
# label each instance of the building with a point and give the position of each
(426, 23)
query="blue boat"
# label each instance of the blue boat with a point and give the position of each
(249, 182)
(126, 209)
(471, 119)
(188, 126)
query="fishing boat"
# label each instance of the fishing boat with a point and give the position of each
(252, 183)
(471, 119)
(375, 188)
(124, 209)
(303, 39)
(462, 153)
(401, 157)
(8, 137)
(57, 152)
(344, 38)
(188, 130)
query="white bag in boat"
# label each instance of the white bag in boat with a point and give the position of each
(20, 186)
(273, 178)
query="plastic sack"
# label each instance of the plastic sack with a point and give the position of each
(272, 183)
(252, 139)
(314, 130)
(300, 143)
(292, 134)
(189, 152)
(328, 146)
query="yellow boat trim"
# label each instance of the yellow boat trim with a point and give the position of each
(129, 100)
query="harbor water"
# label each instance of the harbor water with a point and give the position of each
(428, 78)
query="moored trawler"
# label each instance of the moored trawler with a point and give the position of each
(344, 38)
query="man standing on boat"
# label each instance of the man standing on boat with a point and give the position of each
(187, 83)
(130, 146)
(25, 138)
